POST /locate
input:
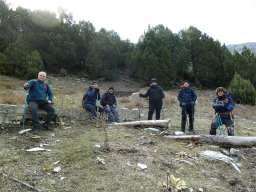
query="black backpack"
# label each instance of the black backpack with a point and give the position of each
(84, 97)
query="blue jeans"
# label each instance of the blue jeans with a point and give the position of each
(34, 105)
(113, 110)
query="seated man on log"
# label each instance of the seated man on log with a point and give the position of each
(108, 101)
(187, 98)
(156, 95)
(38, 92)
(91, 101)
(223, 105)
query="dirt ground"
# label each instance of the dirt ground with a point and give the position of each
(74, 150)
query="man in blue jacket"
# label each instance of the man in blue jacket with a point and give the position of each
(223, 105)
(108, 101)
(38, 92)
(187, 98)
(92, 98)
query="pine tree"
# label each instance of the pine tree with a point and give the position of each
(242, 90)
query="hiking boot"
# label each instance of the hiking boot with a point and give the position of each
(36, 130)
(191, 132)
(47, 127)
(182, 130)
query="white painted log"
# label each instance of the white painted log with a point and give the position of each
(147, 123)
(224, 141)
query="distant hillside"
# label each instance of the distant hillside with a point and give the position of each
(239, 47)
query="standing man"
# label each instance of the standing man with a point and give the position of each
(156, 95)
(38, 92)
(91, 97)
(108, 101)
(187, 98)
(223, 105)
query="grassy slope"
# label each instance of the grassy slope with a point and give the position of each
(75, 150)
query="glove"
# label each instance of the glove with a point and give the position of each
(183, 104)
(140, 94)
(97, 90)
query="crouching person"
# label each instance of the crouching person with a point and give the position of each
(223, 105)
(91, 97)
(108, 101)
(38, 92)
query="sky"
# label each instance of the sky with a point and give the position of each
(229, 21)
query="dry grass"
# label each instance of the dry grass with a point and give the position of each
(124, 99)
(12, 99)
(133, 104)
(170, 100)
(8, 84)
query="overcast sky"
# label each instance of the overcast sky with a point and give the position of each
(229, 21)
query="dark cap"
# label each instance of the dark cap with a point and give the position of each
(111, 88)
(153, 80)
(220, 89)
(185, 81)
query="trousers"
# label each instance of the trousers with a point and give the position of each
(152, 108)
(190, 110)
(34, 105)
(227, 122)
(111, 110)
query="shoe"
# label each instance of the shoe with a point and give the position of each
(191, 132)
(182, 130)
(36, 130)
(47, 127)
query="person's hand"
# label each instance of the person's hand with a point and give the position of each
(192, 103)
(107, 105)
(97, 90)
(26, 85)
(183, 104)
(49, 101)
(113, 106)
(140, 94)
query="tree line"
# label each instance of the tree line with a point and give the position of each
(31, 41)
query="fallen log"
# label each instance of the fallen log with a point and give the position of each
(147, 123)
(224, 141)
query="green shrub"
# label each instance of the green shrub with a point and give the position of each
(63, 72)
(32, 73)
(112, 74)
(242, 90)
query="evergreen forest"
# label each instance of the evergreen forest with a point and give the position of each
(31, 41)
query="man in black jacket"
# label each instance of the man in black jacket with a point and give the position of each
(156, 95)
(108, 101)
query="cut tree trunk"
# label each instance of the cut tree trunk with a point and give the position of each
(224, 141)
(147, 123)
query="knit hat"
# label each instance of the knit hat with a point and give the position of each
(185, 81)
(153, 80)
(111, 88)
(220, 89)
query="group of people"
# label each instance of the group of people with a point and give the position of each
(40, 95)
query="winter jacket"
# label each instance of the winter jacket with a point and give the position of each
(39, 91)
(155, 93)
(224, 106)
(187, 95)
(108, 99)
(91, 97)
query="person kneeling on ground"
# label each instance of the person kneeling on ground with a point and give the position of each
(156, 95)
(108, 101)
(187, 98)
(92, 95)
(223, 105)
(38, 91)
